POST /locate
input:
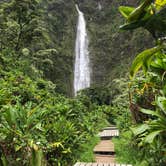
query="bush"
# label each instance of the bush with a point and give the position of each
(39, 125)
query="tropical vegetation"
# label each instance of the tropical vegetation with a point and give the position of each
(41, 123)
(147, 99)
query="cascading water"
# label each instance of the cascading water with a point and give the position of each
(82, 65)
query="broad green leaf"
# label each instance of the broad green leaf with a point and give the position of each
(4, 161)
(147, 61)
(37, 157)
(143, 163)
(150, 137)
(161, 102)
(157, 63)
(138, 23)
(133, 25)
(126, 10)
(149, 112)
(139, 11)
(17, 147)
(139, 129)
(142, 58)
(10, 115)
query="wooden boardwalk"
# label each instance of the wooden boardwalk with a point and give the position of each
(104, 151)
(104, 146)
(100, 164)
(108, 133)
(104, 158)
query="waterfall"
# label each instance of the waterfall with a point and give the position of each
(99, 6)
(82, 66)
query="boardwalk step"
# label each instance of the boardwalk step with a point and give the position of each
(105, 158)
(108, 134)
(100, 164)
(104, 152)
(104, 146)
(110, 128)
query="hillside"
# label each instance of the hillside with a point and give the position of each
(111, 50)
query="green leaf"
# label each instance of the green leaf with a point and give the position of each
(133, 25)
(126, 10)
(161, 102)
(10, 115)
(4, 160)
(37, 157)
(140, 129)
(157, 23)
(139, 11)
(17, 147)
(149, 112)
(150, 137)
(142, 58)
(143, 163)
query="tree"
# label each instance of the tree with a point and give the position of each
(19, 23)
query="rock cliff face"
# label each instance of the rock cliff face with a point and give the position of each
(111, 51)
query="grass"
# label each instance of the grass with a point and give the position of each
(88, 155)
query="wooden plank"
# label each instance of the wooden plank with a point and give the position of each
(123, 165)
(109, 133)
(100, 164)
(111, 164)
(106, 164)
(95, 164)
(104, 158)
(110, 128)
(104, 146)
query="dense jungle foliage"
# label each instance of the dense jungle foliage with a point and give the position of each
(144, 139)
(47, 28)
(40, 123)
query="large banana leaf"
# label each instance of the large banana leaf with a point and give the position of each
(150, 112)
(143, 60)
(139, 12)
(151, 136)
(133, 25)
(155, 23)
(140, 129)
